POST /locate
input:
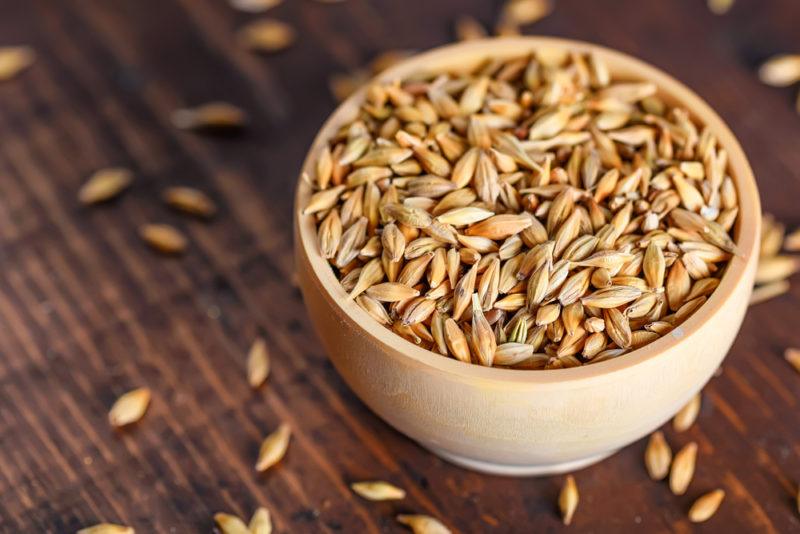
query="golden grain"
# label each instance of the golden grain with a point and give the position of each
(14, 60)
(780, 71)
(258, 363)
(104, 185)
(261, 522)
(539, 187)
(210, 116)
(190, 200)
(378, 490)
(568, 500)
(687, 415)
(164, 238)
(254, 6)
(682, 471)
(422, 524)
(273, 448)
(129, 408)
(106, 528)
(792, 355)
(657, 456)
(266, 35)
(706, 506)
(230, 524)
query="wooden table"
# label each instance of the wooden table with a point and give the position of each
(87, 312)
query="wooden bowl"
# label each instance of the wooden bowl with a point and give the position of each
(518, 422)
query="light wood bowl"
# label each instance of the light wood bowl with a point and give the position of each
(519, 422)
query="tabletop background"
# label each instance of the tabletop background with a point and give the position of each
(87, 312)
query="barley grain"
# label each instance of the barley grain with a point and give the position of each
(378, 490)
(129, 408)
(706, 506)
(273, 448)
(682, 470)
(657, 456)
(568, 500)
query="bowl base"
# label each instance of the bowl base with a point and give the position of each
(514, 470)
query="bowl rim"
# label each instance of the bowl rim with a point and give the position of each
(747, 225)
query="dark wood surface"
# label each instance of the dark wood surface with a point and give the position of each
(87, 312)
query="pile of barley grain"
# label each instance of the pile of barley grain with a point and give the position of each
(533, 213)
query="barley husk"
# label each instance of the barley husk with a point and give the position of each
(260, 522)
(792, 356)
(682, 470)
(14, 60)
(266, 35)
(230, 524)
(781, 71)
(254, 6)
(706, 506)
(687, 415)
(104, 185)
(210, 116)
(378, 490)
(106, 528)
(273, 448)
(657, 456)
(422, 524)
(768, 291)
(258, 363)
(568, 500)
(164, 238)
(190, 200)
(129, 408)
(541, 185)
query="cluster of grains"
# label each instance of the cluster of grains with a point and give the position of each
(531, 213)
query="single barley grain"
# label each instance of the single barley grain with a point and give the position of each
(378, 491)
(568, 500)
(258, 363)
(129, 408)
(14, 60)
(524, 12)
(261, 522)
(687, 415)
(254, 6)
(230, 524)
(792, 241)
(769, 291)
(423, 524)
(657, 456)
(792, 356)
(682, 470)
(469, 29)
(164, 238)
(720, 7)
(273, 448)
(210, 116)
(706, 506)
(190, 200)
(104, 185)
(267, 35)
(106, 528)
(781, 71)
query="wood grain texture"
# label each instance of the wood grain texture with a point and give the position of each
(87, 312)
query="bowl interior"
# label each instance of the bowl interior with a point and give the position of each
(464, 57)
